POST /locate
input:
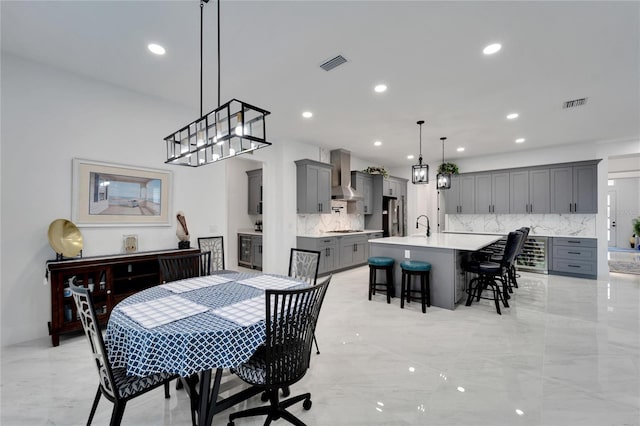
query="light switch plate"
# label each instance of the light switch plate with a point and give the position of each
(407, 254)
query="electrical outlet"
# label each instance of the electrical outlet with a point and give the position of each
(407, 254)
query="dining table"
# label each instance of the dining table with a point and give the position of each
(194, 328)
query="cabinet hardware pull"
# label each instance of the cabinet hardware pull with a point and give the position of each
(573, 266)
(573, 241)
(573, 252)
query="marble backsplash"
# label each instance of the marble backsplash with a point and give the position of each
(338, 219)
(540, 224)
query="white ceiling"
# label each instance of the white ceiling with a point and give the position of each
(428, 53)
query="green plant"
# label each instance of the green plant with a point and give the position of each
(450, 168)
(636, 225)
(377, 170)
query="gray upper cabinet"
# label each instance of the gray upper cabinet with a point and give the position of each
(539, 195)
(313, 186)
(529, 191)
(255, 191)
(461, 197)
(574, 189)
(392, 187)
(492, 193)
(585, 189)
(561, 188)
(363, 183)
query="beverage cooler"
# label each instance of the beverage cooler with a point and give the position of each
(535, 255)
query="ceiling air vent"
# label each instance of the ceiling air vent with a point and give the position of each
(333, 62)
(574, 103)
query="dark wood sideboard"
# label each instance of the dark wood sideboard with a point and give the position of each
(112, 278)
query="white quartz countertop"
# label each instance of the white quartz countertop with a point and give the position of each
(470, 242)
(530, 234)
(339, 234)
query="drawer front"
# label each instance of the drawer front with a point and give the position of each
(575, 242)
(575, 266)
(376, 235)
(578, 253)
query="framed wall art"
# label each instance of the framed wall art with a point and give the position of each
(105, 194)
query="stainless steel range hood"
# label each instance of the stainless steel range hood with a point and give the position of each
(341, 188)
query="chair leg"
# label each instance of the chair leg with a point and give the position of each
(423, 293)
(505, 292)
(316, 343)
(470, 291)
(166, 389)
(116, 414)
(372, 276)
(428, 290)
(496, 297)
(402, 289)
(94, 406)
(390, 288)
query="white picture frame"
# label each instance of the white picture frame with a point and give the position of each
(108, 194)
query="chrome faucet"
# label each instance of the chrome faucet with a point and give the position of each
(428, 227)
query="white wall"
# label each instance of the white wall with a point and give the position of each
(48, 118)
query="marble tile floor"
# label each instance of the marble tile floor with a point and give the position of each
(566, 353)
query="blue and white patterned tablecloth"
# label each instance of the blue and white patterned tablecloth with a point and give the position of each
(200, 342)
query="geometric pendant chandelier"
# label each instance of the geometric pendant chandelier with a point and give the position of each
(420, 172)
(443, 179)
(230, 130)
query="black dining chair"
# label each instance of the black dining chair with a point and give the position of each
(489, 273)
(283, 360)
(115, 384)
(215, 245)
(303, 265)
(174, 268)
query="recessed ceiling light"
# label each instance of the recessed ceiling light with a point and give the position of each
(460, 149)
(519, 140)
(307, 114)
(512, 116)
(377, 143)
(380, 88)
(492, 48)
(410, 157)
(156, 48)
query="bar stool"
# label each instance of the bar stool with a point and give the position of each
(384, 264)
(414, 268)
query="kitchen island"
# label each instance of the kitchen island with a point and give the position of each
(443, 251)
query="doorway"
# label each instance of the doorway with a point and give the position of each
(612, 237)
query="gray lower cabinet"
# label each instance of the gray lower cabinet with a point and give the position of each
(255, 191)
(313, 187)
(250, 251)
(353, 250)
(574, 256)
(574, 189)
(328, 251)
(339, 252)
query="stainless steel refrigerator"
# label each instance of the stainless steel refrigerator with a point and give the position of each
(394, 223)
